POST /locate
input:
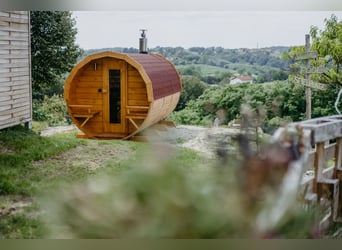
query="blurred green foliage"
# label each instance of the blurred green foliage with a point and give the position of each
(52, 110)
(283, 99)
(162, 196)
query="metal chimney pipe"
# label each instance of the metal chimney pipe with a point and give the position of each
(143, 42)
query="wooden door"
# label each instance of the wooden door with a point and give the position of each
(114, 96)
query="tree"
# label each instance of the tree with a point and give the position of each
(328, 44)
(192, 89)
(53, 51)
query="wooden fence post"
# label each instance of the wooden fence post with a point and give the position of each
(338, 175)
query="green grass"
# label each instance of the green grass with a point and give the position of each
(19, 226)
(206, 70)
(19, 148)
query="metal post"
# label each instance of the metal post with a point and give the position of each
(307, 77)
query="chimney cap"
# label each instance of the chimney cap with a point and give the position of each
(143, 32)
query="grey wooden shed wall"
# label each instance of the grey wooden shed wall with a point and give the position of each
(15, 69)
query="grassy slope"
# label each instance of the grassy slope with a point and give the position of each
(209, 70)
(206, 70)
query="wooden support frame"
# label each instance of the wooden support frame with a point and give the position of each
(136, 113)
(319, 164)
(338, 175)
(131, 108)
(133, 122)
(83, 111)
(329, 189)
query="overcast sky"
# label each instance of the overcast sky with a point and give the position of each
(228, 29)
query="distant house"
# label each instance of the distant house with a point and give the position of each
(240, 79)
(15, 69)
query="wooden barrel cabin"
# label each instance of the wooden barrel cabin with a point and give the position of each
(115, 96)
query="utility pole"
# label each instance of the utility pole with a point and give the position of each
(307, 78)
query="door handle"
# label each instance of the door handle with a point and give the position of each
(104, 91)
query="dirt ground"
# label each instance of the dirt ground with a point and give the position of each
(201, 139)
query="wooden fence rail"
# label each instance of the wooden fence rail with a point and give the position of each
(323, 187)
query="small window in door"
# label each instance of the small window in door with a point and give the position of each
(114, 96)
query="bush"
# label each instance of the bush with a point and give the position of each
(281, 100)
(186, 116)
(271, 125)
(52, 110)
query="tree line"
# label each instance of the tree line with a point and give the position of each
(264, 64)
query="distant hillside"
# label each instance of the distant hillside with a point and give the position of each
(214, 65)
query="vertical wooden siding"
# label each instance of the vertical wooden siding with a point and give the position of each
(136, 89)
(88, 81)
(85, 91)
(15, 77)
(136, 94)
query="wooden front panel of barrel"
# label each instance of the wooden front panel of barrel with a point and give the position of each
(89, 90)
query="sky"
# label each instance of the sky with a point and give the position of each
(187, 28)
(171, 5)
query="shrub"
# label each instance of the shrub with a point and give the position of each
(52, 110)
(271, 125)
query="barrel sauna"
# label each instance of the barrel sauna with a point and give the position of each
(115, 96)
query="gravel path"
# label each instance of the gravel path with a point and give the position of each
(202, 139)
(58, 129)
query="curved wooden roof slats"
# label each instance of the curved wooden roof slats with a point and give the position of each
(162, 74)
